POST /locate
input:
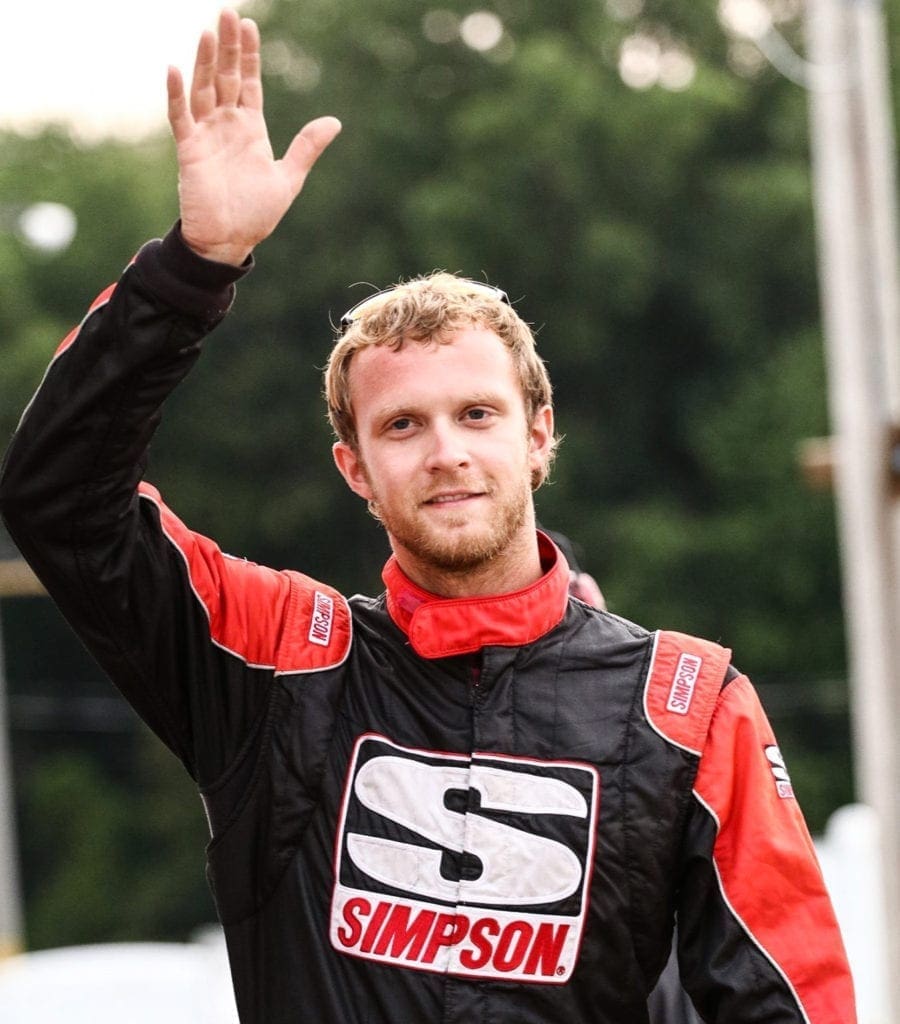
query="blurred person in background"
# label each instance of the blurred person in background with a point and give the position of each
(475, 797)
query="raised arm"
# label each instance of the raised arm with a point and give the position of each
(190, 636)
(232, 190)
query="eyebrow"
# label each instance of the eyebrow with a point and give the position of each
(407, 408)
(484, 398)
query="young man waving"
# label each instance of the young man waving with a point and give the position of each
(473, 798)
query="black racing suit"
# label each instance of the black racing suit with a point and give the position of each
(422, 810)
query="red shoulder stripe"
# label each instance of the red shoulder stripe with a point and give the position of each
(765, 861)
(101, 300)
(282, 621)
(683, 684)
(67, 343)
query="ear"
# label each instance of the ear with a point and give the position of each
(352, 469)
(541, 439)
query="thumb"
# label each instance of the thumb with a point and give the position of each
(307, 146)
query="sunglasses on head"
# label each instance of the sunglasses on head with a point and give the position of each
(355, 313)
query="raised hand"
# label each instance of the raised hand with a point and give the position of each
(232, 190)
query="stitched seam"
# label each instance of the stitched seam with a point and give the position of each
(267, 716)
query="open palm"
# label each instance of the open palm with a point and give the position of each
(232, 190)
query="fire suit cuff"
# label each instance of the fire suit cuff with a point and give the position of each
(191, 284)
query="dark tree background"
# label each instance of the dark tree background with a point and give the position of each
(659, 238)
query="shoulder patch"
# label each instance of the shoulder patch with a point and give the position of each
(683, 683)
(278, 620)
(318, 628)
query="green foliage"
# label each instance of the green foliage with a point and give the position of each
(108, 862)
(121, 195)
(662, 243)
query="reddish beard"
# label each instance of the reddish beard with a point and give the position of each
(452, 548)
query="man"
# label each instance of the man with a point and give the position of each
(473, 798)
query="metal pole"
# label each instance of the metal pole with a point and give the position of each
(853, 176)
(11, 927)
(878, 166)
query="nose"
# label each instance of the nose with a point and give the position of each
(447, 450)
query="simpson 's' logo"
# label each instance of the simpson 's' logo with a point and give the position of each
(322, 618)
(472, 865)
(681, 694)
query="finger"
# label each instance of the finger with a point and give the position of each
(308, 145)
(228, 59)
(251, 72)
(203, 84)
(180, 119)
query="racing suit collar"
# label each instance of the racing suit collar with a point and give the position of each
(440, 627)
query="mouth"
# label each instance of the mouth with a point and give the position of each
(453, 498)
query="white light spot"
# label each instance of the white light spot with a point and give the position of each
(676, 70)
(481, 30)
(750, 19)
(48, 227)
(639, 61)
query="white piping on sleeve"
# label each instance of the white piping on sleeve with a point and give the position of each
(235, 654)
(743, 925)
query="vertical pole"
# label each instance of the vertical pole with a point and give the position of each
(853, 185)
(878, 147)
(11, 931)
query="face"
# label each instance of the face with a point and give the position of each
(445, 452)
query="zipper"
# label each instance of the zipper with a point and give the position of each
(475, 671)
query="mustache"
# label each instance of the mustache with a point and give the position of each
(455, 485)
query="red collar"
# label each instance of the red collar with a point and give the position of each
(438, 627)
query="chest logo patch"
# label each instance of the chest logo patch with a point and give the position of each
(471, 865)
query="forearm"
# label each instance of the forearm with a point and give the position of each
(78, 452)
(69, 484)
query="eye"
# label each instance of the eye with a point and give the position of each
(400, 424)
(477, 415)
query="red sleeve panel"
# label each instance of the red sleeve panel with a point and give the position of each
(282, 621)
(764, 860)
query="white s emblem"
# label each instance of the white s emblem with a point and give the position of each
(517, 867)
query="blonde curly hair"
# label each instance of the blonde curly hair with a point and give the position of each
(427, 310)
